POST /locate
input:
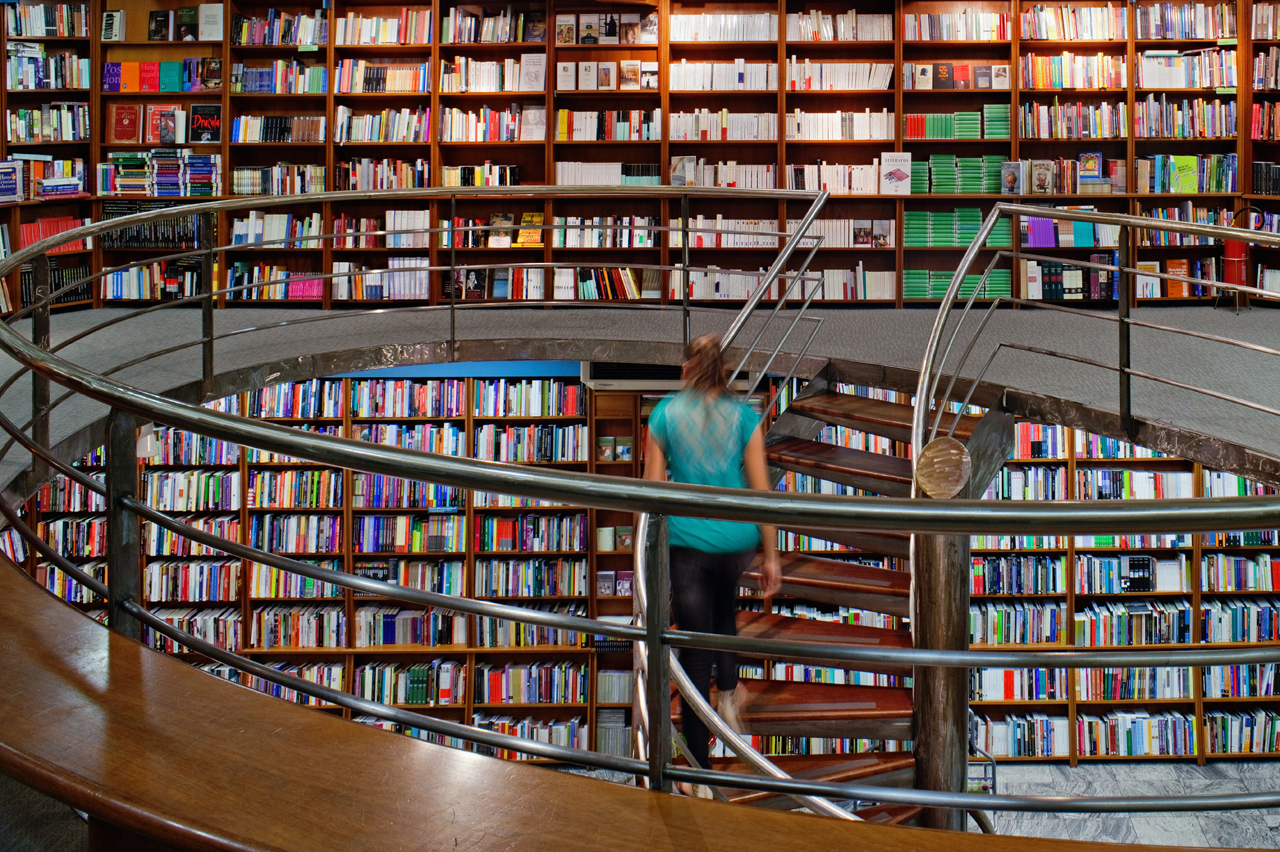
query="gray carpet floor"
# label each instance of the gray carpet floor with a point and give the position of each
(31, 822)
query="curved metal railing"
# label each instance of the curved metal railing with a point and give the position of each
(814, 512)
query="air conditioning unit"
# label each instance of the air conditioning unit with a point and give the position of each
(609, 376)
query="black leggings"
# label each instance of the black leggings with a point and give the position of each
(704, 589)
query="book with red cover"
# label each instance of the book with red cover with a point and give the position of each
(152, 130)
(149, 76)
(960, 76)
(124, 124)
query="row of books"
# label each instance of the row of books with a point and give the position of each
(463, 74)
(816, 25)
(1042, 441)
(292, 489)
(1184, 212)
(561, 682)
(1137, 733)
(780, 745)
(390, 173)
(1186, 173)
(1266, 70)
(1104, 484)
(277, 27)
(1036, 735)
(850, 233)
(63, 494)
(178, 173)
(1028, 483)
(714, 284)
(711, 26)
(59, 121)
(29, 68)
(602, 232)
(65, 586)
(191, 74)
(1130, 684)
(396, 278)
(412, 26)
(1256, 732)
(495, 633)
(267, 581)
(632, 126)
(1108, 575)
(1074, 23)
(1224, 572)
(281, 77)
(298, 626)
(361, 76)
(604, 28)
(220, 627)
(1018, 684)
(209, 580)
(375, 626)
(926, 76)
(1018, 623)
(444, 578)
(1016, 575)
(186, 23)
(1197, 69)
(534, 443)
(486, 125)
(1104, 120)
(1264, 122)
(439, 682)
(409, 533)
(408, 398)
(531, 578)
(62, 274)
(301, 129)
(723, 233)
(161, 542)
(58, 20)
(570, 734)
(1161, 118)
(700, 171)
(1219, 483)
(811, 75)
(1240, 620)
(193, 490)
(957, 26)
(296, 533)
(1133, 623)
(280, 179)
(476, 25)
(1186, 21)
(738, 75)
(1074, 71)
(532, 534)
(628, 75)
(271, 281)
(1266, 23)
(391, 125)
(805, 126)
(279, 230)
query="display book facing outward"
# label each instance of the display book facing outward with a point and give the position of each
(1087, 142)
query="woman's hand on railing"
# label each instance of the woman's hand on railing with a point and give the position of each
(771, 573)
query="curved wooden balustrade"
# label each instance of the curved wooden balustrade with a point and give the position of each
(149, 746)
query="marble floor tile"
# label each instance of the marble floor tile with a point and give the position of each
(1170, 830)
(1236, 831)
(1263, 778)
(1105, 829)
(1144, 771)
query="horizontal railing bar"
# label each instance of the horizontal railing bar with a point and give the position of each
(435, 600)
(71, 472)
(1068, 658)
(1125, 220)
(982, 801)
(373, 708)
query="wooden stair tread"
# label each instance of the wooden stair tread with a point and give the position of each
(894, 767)
(888, 419)
(897, 545)
(875, 472)
(890, 814)
(764, 625)
(845, 583)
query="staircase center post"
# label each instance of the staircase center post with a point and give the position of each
(941, 695)
(657, 580)
(124, 542)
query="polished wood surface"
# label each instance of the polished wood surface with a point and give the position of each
(890, 419)
(875, 472)
(767, 625)
(788, 708)
(146, 742)
(883, 544)
(899, 814)
(843, 583)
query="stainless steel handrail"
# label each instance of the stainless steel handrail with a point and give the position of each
(932, 364)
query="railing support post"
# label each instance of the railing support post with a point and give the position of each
(208, 241)
(40, 383)
(941, 695)
(123, 535)
(658, 687)
(684, 263)
(453, 278)
(1125, 298)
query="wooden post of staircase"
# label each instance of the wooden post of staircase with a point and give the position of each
(941, 695)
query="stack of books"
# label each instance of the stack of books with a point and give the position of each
(995, 121)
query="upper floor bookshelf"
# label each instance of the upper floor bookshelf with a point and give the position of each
(1132, 108)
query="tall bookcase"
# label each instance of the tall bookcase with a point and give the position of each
(821, 104)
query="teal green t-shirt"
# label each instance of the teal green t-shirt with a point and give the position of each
(703, 440)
